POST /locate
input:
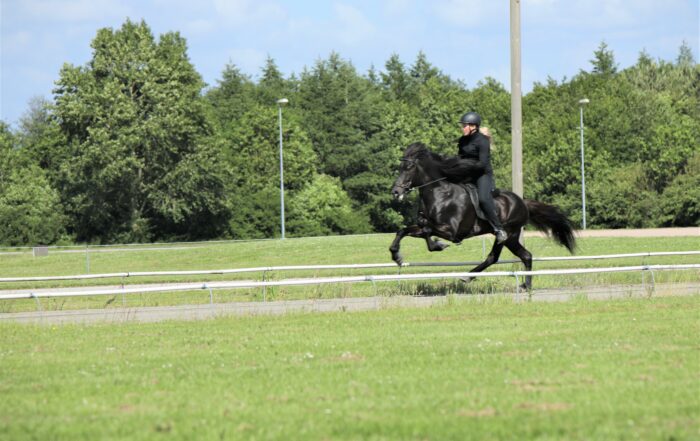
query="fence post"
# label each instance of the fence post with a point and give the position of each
(123, 295)
(38, 303)
(87, 259)
(649, 292)
(374, 284)
(211, 293)
(264, 279)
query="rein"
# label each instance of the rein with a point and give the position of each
(409, 189)
(425, 185)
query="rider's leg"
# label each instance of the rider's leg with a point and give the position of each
(485, 187)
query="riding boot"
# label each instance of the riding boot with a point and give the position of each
(485, 189)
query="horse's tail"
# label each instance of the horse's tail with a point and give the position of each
(550, 220)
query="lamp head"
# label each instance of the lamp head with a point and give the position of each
(282, 101)
(584, 101)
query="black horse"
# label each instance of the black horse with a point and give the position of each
(449, 213)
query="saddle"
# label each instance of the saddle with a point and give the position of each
(474, 197)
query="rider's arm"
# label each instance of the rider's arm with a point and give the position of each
(485, 155)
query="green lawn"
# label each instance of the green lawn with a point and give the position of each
(471, 369)
(320, 251)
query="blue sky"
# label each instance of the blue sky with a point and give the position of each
(466, 39)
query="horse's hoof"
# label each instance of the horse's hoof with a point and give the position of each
(466, 279)
(439, 246)
(526, 288)
(398, 259)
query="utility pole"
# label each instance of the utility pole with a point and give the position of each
(516, 107)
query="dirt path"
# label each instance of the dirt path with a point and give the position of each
(209, 311)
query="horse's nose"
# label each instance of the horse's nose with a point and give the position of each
(397, 193)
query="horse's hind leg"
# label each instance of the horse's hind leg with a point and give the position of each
(515, 247)
(490, 260)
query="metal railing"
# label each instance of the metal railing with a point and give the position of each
(517, 275)
(267, 269)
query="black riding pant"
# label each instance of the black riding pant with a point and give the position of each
(486, 187)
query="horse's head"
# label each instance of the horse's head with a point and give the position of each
(409, 171)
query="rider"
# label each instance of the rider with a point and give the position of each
(475, 145)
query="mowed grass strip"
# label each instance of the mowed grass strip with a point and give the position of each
(322, 251)
(472, 369)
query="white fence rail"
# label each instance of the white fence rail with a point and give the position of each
(267, 269)
(518, 275)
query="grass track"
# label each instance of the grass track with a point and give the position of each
(320, 250)
(479, 370)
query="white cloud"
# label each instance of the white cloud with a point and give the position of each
(470, 13)
(200, 26)
(353, 27)
(398, 7)
(247, 59)
(598, 14)
(250, 12)
(73, 10)
(17, 42)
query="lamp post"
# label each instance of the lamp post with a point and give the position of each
(582, 103)
(280, 103)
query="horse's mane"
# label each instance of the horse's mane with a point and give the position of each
(454, 168)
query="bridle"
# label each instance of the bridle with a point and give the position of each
(408, 187)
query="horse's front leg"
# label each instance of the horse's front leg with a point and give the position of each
(433, 245)
(413, 231)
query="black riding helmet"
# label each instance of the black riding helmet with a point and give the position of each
(470, 118)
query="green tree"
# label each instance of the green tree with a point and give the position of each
(339, 113)
(251, 159)
(30, 209)
(680, 202)
(133, 117)
(251, 150)
(604, 60)
(323, 208)
(622, 197)
(233, 96)
(396, 79)
(272, 85)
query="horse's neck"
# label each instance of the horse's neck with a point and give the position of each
(434, 194)
(429, 173)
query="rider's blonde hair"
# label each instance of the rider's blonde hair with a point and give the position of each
(487, 133)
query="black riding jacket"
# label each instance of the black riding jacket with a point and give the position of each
(477, 147)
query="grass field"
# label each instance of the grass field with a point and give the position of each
(318, 251)
(472, 369)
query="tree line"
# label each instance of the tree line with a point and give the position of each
(135, 147)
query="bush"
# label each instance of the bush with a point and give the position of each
(30, 210)
(323, 208)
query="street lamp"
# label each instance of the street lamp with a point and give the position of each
(582, 103)
(280, 103)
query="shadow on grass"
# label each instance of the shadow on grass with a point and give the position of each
(458, 287)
